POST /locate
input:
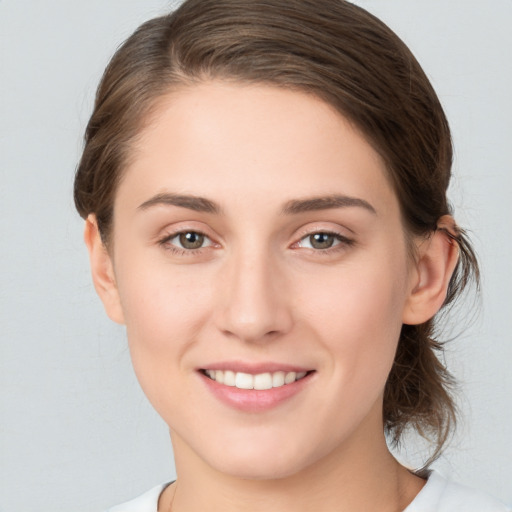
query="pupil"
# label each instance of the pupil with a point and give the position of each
(191, 240)
(321, 240)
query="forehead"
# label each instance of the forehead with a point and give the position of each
(246, 142)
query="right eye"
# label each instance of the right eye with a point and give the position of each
(321, 240)
(187, 241)
(324, 241)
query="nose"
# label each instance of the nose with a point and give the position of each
(254, 305)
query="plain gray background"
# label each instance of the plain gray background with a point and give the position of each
(76, 433)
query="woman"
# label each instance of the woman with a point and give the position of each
(264, 188)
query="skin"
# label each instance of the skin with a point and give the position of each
(257, 291)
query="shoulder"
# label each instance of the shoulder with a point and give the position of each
(443, 495)
(147, 502)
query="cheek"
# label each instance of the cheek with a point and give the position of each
(357, 313)
(164, 308)
(161, 300)
(358, 298)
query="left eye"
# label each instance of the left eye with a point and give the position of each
(189, 240)
(321, 240)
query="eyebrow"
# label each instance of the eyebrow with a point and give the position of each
(292, 207)
(198, 204)
(325, 203)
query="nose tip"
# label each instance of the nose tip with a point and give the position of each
(254, 305)
(258, 326)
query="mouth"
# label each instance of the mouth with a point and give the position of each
(260, 381)
(255, 387)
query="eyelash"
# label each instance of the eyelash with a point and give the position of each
(178, 251)
(343, 242)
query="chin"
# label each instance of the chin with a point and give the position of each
(249, 469)
(263, 461)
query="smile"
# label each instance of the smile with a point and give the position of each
(255, 388)
(260, 381)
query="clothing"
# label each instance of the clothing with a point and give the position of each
(148, 502)
(442, 495)
(438, 495)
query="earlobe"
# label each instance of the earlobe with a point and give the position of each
(102, 271)
(437, 258)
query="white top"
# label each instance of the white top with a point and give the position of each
(438, 495)
(442, 495)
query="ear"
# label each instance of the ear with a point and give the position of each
(437, 258)
(102, 270)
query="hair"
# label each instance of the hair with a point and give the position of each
(341, 54)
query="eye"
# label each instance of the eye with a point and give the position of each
(323, 240)
(189, 240)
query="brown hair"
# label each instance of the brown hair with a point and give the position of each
(340, 53)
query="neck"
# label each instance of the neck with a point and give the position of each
(360, 476)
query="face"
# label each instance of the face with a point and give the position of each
(257, 243)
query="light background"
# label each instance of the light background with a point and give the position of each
(76, 433)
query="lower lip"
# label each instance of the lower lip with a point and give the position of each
(253, 400)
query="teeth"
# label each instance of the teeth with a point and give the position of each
(244, 381)
(277, 379)
(229, 378)
(290, 377)
(261, 381)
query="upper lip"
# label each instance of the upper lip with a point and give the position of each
(253, 367)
